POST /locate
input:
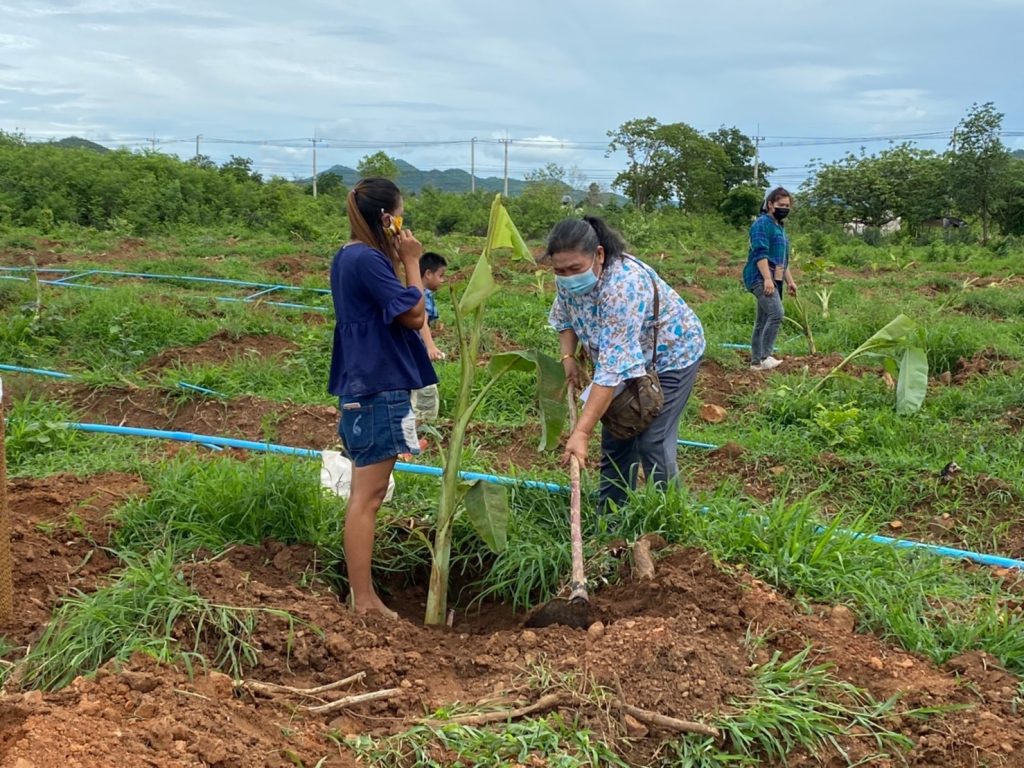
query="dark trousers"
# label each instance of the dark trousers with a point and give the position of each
(654, 449)
(767, 323)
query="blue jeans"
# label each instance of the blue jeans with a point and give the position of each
(767, 323)
(655, 449)
(377, 427)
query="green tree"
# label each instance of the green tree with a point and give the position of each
(902, 181)
(741, 204)
(378, 165)
(740, 152)
(696, 167)
(329, 183)
(979, 162)
(594, 195)
(1009, 211)
(646, 179)
(240, 169)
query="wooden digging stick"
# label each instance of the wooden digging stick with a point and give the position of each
(6, 562)
(578, 585)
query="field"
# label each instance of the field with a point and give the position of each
(175, 603)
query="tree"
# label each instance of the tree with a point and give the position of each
(696, 168)
(1009, 211)
(740, 152)
(666, 162)
(741, 204)
(551, 174)
(646, 178)
(902, 181)
(378, 165)
(330, 183)
(204, 161)
(240, 169)
(979, 162)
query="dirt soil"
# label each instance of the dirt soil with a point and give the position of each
(221, 348)
(682, 634)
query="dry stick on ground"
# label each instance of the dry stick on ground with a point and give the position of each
(6, 560)
(664, 721)
(349, 701)
(643, 562)
(273, 689)
(549, 701)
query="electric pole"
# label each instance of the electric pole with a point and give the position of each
(198, 137)
(472, 164)
(314, 140)
(757, 154)
(506, 140)
(152, 142)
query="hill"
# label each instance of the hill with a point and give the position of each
(73, 142)
(412, 179)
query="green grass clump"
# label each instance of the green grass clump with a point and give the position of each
(926, 603)
(796, 705)
(150, 609)
(552, 740)
(210, 503)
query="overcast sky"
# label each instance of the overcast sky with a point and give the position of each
(449, 70)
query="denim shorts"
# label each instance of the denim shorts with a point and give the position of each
(377, 427)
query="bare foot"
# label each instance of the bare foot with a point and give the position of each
(372, 605)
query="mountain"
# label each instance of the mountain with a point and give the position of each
(73, 142)
(412, 179)
(1018, 153)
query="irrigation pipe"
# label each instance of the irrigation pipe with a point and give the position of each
(308, 453)
(74, 275)
(417, 469)
(59, 375)
(214, 393)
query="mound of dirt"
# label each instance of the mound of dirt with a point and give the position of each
(220, 348)
(59, 529)
(674, 645)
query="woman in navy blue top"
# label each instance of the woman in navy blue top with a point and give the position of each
(766, 268)
(377, 358)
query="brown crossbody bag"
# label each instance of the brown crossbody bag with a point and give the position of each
(640, 402)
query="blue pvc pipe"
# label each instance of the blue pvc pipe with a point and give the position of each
(54, 282)
(36, 371)
(693, 444)
(285, 304)
(203, 390)
(996, 561)
(308, 453)
(159, 276)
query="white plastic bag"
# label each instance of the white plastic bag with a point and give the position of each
(336, 475)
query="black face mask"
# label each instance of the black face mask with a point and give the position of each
(780, 213)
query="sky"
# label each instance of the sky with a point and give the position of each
(421, 79)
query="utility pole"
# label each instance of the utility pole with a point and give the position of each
(757, 154)
(472, 164)
(152, 142)
(506, 140)
(198, 137)
(314, 140)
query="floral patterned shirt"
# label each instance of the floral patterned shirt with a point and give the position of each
(615, 323)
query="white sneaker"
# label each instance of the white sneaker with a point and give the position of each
(766, 365)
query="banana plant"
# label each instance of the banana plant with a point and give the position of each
(485, 504)
(901, 344)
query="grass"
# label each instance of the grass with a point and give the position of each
(150, 609)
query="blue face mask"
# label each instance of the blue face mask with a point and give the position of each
(578, 285)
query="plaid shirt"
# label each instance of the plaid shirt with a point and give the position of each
(767, 241)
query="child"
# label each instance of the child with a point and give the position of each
(426, 401)
(432, 269)
(376, 361)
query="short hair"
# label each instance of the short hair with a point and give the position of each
(431, 262)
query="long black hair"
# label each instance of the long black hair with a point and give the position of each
(585, 235)
(365, 204)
